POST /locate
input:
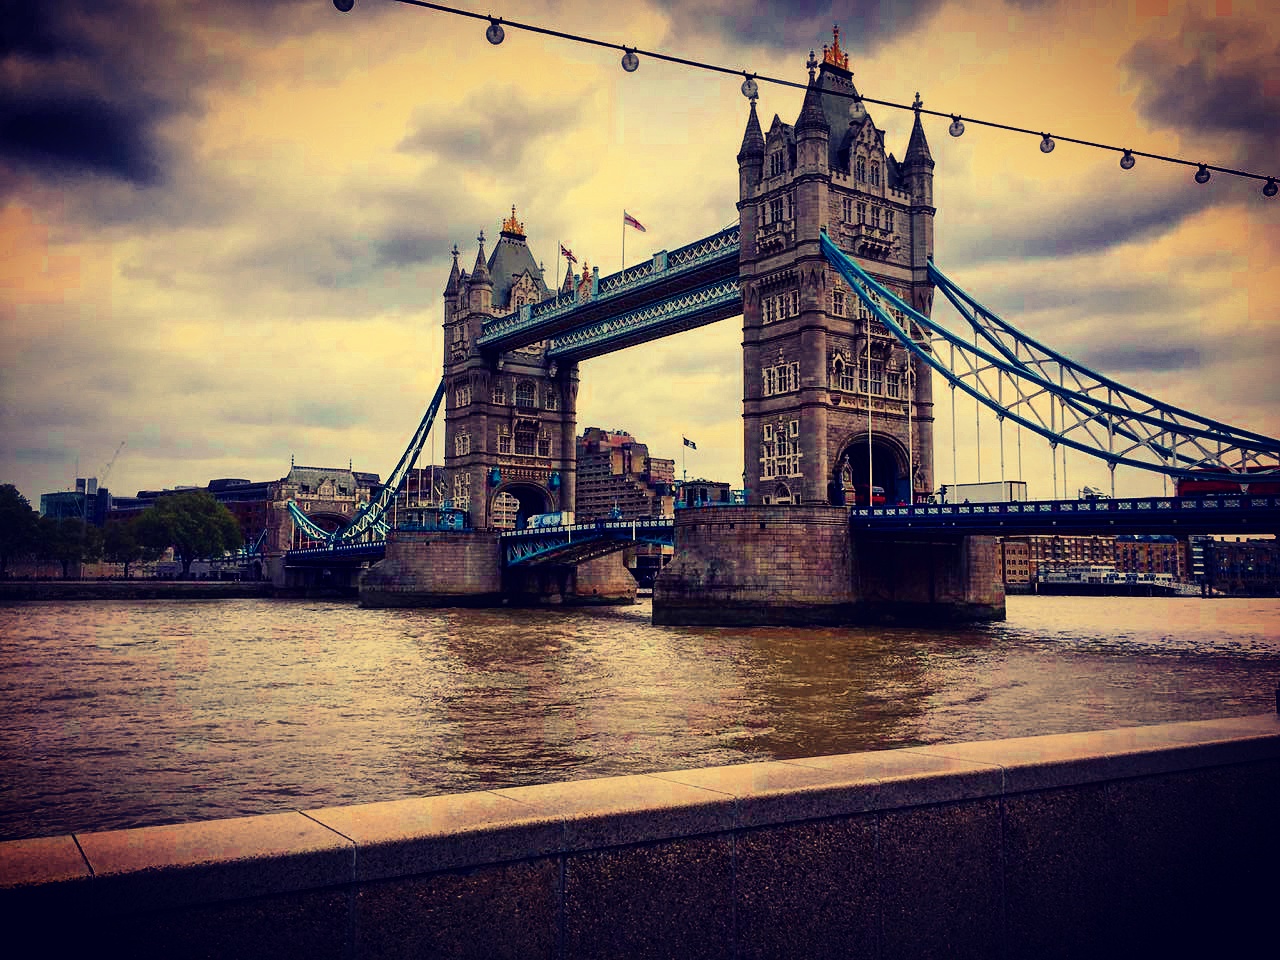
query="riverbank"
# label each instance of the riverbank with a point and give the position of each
(12, 591)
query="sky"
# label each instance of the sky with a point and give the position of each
(225, 229)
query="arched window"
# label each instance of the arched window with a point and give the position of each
(462, 444)
(782, 494)
(525, 393)
(875, 173)
(861, 169)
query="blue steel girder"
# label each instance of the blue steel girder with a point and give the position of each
(584, 541)
(1178, 516)
(685, 311)
(694, 265)
(1161, 439)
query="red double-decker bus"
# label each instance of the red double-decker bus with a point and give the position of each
(1267, 486)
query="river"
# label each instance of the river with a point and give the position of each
(120, 714)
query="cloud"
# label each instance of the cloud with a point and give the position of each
(1215, 78)
(496, 126)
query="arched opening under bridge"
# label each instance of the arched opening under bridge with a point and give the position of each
(515, 503)
(888, 471)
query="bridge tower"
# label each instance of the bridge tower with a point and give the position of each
(814, 360)
(510, 417)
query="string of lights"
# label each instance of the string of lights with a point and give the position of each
(495, 33)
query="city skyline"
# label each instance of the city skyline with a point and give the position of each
(229, 230)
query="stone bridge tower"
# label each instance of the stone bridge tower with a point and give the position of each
(814, 360)
(510, 418)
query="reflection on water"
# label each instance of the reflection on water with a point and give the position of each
(130, 713)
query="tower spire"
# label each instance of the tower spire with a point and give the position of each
(480, 272)
(451, 288)
(917, 146)
(752, 137)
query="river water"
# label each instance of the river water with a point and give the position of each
(121, 714)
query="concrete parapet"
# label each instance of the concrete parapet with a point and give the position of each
(435, 569)
(1151, 841)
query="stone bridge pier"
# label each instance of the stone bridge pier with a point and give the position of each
(776, 565)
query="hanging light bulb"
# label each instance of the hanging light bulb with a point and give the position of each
(1046, 143)
(344, 6)
(1127, 161)
(1202, 175)
(629, 60)
(750, 89)
(957, 126)
(1270, 188)
(494, 32)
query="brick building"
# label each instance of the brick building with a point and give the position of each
(1149, 553)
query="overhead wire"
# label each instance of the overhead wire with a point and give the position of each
(495, 34)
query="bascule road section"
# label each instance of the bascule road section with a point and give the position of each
(829, 265)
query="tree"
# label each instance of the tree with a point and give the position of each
(67, 541)
(17, 526)
(193, 523)
(121, 544)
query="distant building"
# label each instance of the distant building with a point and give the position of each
(1243, 567)
(87, 502)
(1062, 551)
(616, 473)
(1016, 557)
(1148, 553)
(693, 493)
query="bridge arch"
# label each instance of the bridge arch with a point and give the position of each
(529, 498)
(889, 468)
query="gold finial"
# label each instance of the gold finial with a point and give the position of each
(833, 54)
(513, 226)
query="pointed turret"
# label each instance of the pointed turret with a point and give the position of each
(812, 119)
(752, 138)
(480, 272)
(566, 288)
(918, 147)
(451, 288)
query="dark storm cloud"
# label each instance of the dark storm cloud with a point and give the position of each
(85, 87)
(1216, 78)
(1136, 357)
(494, 128)
(1075, 224)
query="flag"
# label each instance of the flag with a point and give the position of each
(631, 221)
(688, 442)
(567, 254)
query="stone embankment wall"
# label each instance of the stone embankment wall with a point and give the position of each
(1153, 841)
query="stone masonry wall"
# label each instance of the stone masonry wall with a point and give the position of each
(435, 568)
(1144, 842)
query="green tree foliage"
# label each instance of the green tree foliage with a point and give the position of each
(120, 544)
(67, 541)
(193, 523)
(17, 526)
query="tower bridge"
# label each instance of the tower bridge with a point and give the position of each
(830, 267)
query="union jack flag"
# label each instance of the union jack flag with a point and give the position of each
(567, 254)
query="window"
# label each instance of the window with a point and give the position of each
(860, 170)
(893, 384)
(780, 450)
(875, 173)
(848, 210)
(525, 437)
(525, 394)
(793, 302)
(876, 384)
(462, 490)
(462, 445)
(837, 302)
(462, 395)
(544, 446)
(457, 333)
(504, 440)
(862, 213)
(842, 376)
(500, 394)
(775, 210)
(781, 378)
(553, 399)
(888, 219)
(776, 166)
(875, 217)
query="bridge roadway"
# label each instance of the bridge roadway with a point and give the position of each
(678, 290)
(1178, 516)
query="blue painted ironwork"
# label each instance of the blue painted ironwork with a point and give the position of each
(1030, 384)
(721, 247)
(684, 311)
(582, 541)
(1182, 437)
(361, 551)
(1169, 515)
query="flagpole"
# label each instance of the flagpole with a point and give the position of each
(556, 279)
(624, 240)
